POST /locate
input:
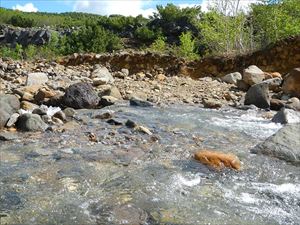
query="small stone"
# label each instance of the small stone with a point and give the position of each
(60, 115)
(143, 130)
(211, 103)
(232, 78)
(107, 101)
(39, 111)
(139, 102)
(130, 124)
(36, 79)
(69, 112)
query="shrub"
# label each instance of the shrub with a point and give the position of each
(187, 48)
(159, 45)
(20, 21)
(143, 33)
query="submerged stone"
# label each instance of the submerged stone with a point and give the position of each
(218, 160)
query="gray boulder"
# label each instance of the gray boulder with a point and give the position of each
(4, 117)
(285, 116)
(232, 78)
(80, 96)
(9, 104)
(36, 79)
(101, 75)
(31, 122)
(253, 75)
(274, 84)
(258, 95)
(293, 103)
(285, 144)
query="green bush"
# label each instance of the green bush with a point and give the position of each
(92, 38)
(20, 21)
(187, 48)
(145, 34)
(159, 45)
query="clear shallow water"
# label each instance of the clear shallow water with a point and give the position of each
(131, 178)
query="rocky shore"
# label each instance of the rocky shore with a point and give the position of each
(39, 96)
(92, 144)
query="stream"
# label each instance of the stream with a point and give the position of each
(129, 177)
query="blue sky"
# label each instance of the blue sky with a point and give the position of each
(102, 7)
(125, 7)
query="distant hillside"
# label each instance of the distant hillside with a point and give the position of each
(185, 32)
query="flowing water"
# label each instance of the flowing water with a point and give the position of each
(128, 177)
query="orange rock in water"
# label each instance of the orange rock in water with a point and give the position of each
(218, 160)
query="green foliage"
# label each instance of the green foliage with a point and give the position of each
(187, 48)
(223, 34)
(91, 38)
(159, 45)
(145, 34)
(276, 21)
(21, 21)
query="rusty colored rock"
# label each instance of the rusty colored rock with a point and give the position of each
(291, 84)
(218, 160)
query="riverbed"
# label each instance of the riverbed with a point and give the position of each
(123, 176)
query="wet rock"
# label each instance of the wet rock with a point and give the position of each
(101, 76)
(60, 115)
(232, 78)
(104, 116)
(9, 104)
(10, 200)
(218, 160)
(69, 112)
(285, 144)
(7, 136)
(80, 96)
(143, 129)
(258, 95)
(31, 122)
(211, 103)
(4, 117)
(130, 124)
(36, 79)
(107, 101)
(107, 90)
(291, 84)
(285, 116)
(114, 122)
(138, 102)
(12, 101)
(39, 111)
(293, 103)
(28, 106)
(242, 85)
(274, 84)
(12, 120)
(253, 75)
(276, 104)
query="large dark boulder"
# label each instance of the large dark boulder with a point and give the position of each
(285, 144)
(258, 95)
(81, 96)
